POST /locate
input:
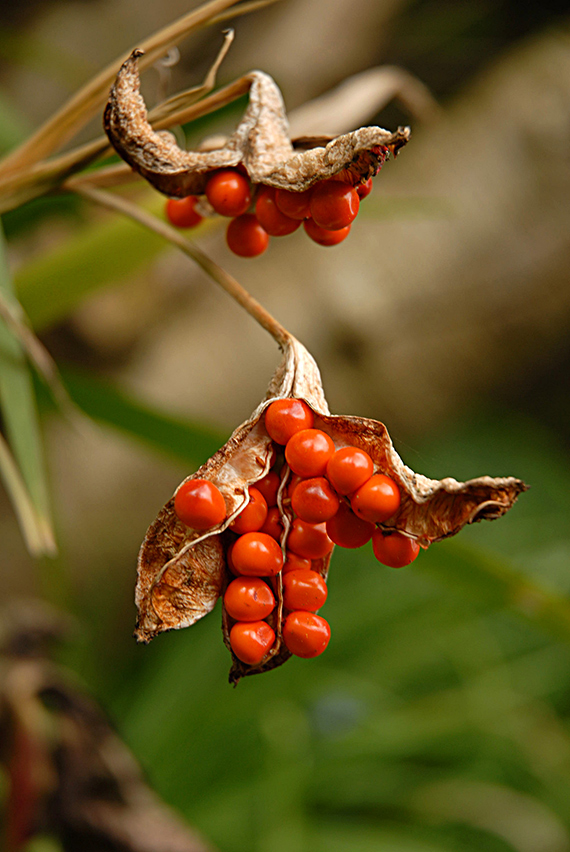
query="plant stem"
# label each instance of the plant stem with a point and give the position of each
(210, 267)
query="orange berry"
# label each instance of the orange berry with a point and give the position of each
(245, 236)
(334, 204)
(364, 189)
(269, 486)
(348, 530)
(273, 525)
(181, 212)
(251, 641)
(305, 634)
(304, 590)
(307, 452)
(257, 554)
(199, 504)
(309, 540)
(228, 192)
(294, 204)
(394, 549)
(253, 516)
(249, 599)
(348, 469)
(285, 417)
(314, 500)
(376, 500)
(270, 217)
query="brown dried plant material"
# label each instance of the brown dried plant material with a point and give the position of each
(181, 573)
(261, 142)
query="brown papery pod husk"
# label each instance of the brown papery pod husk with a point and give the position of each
(181, 573)
(261, 142)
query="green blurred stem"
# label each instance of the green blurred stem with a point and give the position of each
(219, 275)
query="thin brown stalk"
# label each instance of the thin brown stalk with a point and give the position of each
(210, 267)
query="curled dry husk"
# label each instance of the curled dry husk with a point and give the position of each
(181, 573)
(261, 142)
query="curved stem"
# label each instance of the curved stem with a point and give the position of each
(210, 267)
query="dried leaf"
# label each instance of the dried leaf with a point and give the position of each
(181, 572)
(261, 142)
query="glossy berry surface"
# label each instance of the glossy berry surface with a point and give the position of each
(181, 212)
(257, 554)
(270, 217)
(348, 469)
(305, 590)
(251, 641)
(295, 563)
(364, 189)
(348, 530)
(305, 634)
(253, 516)
(395, 550)
(334, 204)
(309, 540)
(324, 237)
(297, 205)
(199, 504)
(245, 236)
(269, 486)
(376, 500)
(249, 599)
(228, 192)
(307, 452)
(285, 417)
(314, 500)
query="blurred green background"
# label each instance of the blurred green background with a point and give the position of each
(438, 719)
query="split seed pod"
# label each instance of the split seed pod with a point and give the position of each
(261, 142)
(181, 572)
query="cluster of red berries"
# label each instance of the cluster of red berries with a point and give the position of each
(331, 495)
(327, 210)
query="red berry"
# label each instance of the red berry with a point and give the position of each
(269, 486)
(307, 452)
(348, 469)
(376, 500)
(256, 554)
(334, 204)
(284, 417)
(181, 213)
(228, 192)
(324, 237)
(305, 634)
(245, 236)
(273, 525)
(270, 217)
(249, 599)
(394, 549)
(294, 563)
(251, 641)
(199, 504)
(309, 540)
(348, 530)
(253, 516)
(304, 590)
(314, 500)
(364, 189)
(294, 204)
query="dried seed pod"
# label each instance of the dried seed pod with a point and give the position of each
(182, 572)
(261, 142)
